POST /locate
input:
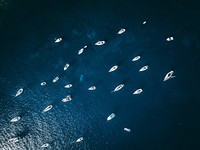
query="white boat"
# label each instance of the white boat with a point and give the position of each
(68, 86)
(144, 68)
(113, 68)
(45, 145)
(67, 99)
(127, 129)
(92, 88)
(58, 40)
(80, 51)
(111, 116)
(66, 66)
(136, 58)
(144, 22)
(100, 43)
(169, 76)
(121, 31)
(15, 119)
(119, 87)
(55, 79)
(19, 92)
(13, 140)
(79, 139)
(138, 91)
(170, 39)
(43, 83)
(47, 108)
(85, 46)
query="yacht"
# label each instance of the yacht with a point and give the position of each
(144, 22)
(144, 68)
(138, 91)
(111, 117)
(67, 99)
(68, 86)
(136, 58)
(56, 79)
(19, 92)
(100, 43)
(47, 108)
(58, 40)
(127, 129)
(119, 87)
(169, 76)
(43, 83)
(113, 68)
(170, 39)
(92, 88)
(15, 119)
(80, 51)
(79, 139)
(66, 66)
(121, 31)
(45, 145)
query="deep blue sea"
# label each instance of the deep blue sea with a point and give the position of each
(165, 116)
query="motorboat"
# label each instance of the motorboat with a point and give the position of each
(80, 51)
(127, 129)
(138, 91)
(45, 145)
(68, 86)
(85, 46)
(169, 75)
(67, 99)
(119, 87)
(170, 39)
(19, 92)
(100, 43)
(111, 116)
(92, 88)
(113, 68)
(144, 68)
(43, 83)
(121, 31)
(55, 79)
(58, 40)
(79, 139)
(66, 66)
(136, 58)
(15, 119)
(47, 108)
(144, 22)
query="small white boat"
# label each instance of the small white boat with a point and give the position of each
(111, 116)
(127, 129)
(80, 51)
(100, 43)
(119, 87)
(47, 108)
(43, 83)
(144, 68)
(92, 88)
(113, 68)
(169, 76)
(55, 80)
(85, 46)
(45, 145)
(58, 40)
(170, 39)
(144, 22)
(66, 66)
(138, 91)
(13, 140)
(136, 58)
(15, 119)
(19, 92)
(121, 31)
(79, 139)
(68, 86)
(67, 99)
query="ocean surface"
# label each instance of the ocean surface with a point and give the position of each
(165, 116)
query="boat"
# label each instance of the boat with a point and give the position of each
(67, 99)
(92, 88)
(56, 79)
(19, 92)
(80, 51)
(127, 129)
(66, 66)
(85, 46)
(100, 43)
(111, 116)
(136, 58)
(79, 139)
(144, 68)
(121, 31)
(169, 76)
(68, 86)
(15, 119)
(47, 108)
(43, 83)
(144, 22)
(170, 39)
(45, 145)
(138, 91)
(113, 68)
(119, 87)
(58, 40)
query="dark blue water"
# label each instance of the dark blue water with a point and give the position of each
(165, 116)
